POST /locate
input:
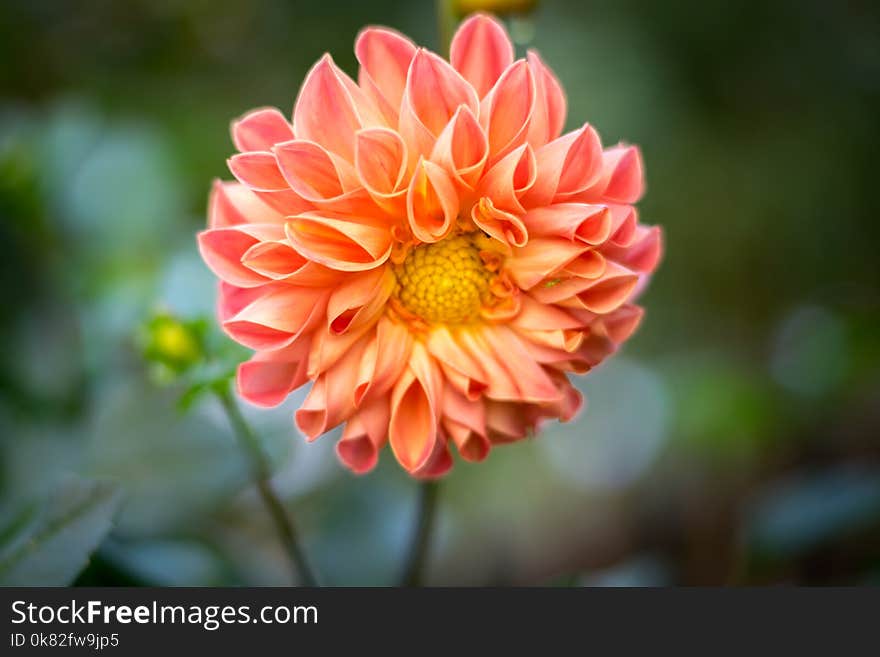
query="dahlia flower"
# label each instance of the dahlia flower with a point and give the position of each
(426, 248)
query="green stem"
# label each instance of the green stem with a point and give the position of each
(262, 476)
(413, 572)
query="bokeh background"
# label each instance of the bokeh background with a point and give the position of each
(735, 440)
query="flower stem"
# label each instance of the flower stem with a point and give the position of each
(262, 477)
(418, 550)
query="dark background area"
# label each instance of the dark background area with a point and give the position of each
(736, 438)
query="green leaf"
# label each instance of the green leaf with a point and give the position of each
(54, 545)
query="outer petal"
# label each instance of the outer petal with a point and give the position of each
(359, 299)
(331, 399)
(232, 203)
(384, 359)
(279, 261)
(481, 52)
(258, 170)
(465, 422)
(589, 224)
(600, 295)
(269, 376)
(260, 129)
(460, 368)
(222, 250)
(277, 318)
(384, 56)
(548, 119)
(328, 110)
(566, 167)
(622, 176)
(381, 164)
(339, 242)
(366, 432)
(415, 411)
(645, 252)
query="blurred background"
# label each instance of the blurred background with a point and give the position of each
(735, 440)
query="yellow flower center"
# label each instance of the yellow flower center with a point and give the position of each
(445, 282)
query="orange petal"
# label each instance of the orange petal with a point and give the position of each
(358, 299)
(415, 411)
(589, 224)
(622, 176)
(481, 51)
(434, 91)
(278, 260)
(222, 249)
(328, 111)
(384, 56)
(461, 369)
(503, 226)
(339, 243)
(465, 422)
(462, 148)
(566, 167)
(540, 258)
(380, 160)
(384, 359)
(548, 118)
(530, 379)
(331, 400)
(364, 435)
(232, 203)
(260, 129)
(510, 179)
(431, 202)
(600, 295)
(644, 254)
(312, 171)
(269, 376)
(277, 318)
(505, 113)
(258, 170)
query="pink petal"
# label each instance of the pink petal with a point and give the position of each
(384, 56)
(331, 400)
(462, 148)
(548, 119)
(590, 224)
(277, 318)
(481, 51)
(222, 249)
(566, 167)
(364, 435)
(258, 170)
(278, 260)
(510, 179)
(260, 129)
(269, 376)
(326, 111)
(434, 91)
(506, 111)
(380, 161)
(644, 254)
(622, 176)
(465, 422)
(312, 171)
(232, 203)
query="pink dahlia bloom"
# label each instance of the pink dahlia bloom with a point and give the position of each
(427, 249)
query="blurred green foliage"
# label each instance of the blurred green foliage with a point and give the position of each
(734, 441)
